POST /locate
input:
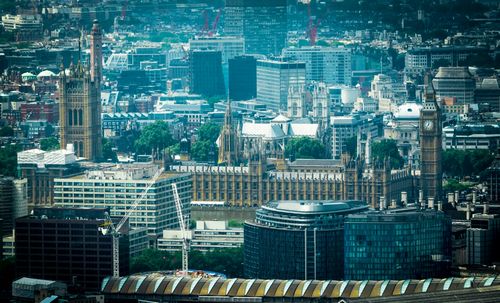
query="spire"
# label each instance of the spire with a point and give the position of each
(96, 52)
(229, 143)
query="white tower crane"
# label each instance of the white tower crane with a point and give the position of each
(109, 228)
(186, 236)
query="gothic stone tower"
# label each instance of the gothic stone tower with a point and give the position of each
(296, 102)
(321, 103)
(80, 113)
(229, 145)
(431, 175)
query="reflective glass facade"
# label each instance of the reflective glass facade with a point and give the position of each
(402, 244)
(297, 240)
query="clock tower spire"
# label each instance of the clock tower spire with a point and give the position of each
(431, 174)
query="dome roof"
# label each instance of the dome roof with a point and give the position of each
(45, 74)
(409, 110)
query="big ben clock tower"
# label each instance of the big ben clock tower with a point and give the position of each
(431, 174)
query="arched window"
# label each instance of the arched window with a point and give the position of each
(75, 117)
(294, 109)
(70, 117)
(80, 117)
(320, 110)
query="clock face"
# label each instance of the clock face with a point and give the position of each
(428, 124)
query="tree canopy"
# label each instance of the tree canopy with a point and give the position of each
(107, 151)
(209, 132)
(228, 261)
(204, 149)
(155, 136)
(200, 150)
(461, 163)
(387, 148)
(48, 144)
(305, 148)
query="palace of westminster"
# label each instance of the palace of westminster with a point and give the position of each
(262, 179)
(251, 179)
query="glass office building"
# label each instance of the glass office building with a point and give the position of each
(298, 240)
(397, 244)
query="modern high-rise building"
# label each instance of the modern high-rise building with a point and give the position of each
(242, 78)
(66, 244)
(431, 147)
(205, 73)
(229, 47)
(274, 79)
(482, 239)
(324, 64)
(397, 244)
(119, 187)
(80, 103)
(263, 24)
(346, 127)
(454, 87)
(13, 202)
(298, 240)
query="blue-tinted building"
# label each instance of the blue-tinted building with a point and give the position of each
(298, 239)
(397, 244)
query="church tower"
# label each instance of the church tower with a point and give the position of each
(229, 145)
(80, 103)
(431, 175)
(296, 102)
(321, 103)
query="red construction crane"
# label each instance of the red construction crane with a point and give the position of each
(214, 25)
(124, 10)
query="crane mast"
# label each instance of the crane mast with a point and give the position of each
(109, 227)
(184, 230)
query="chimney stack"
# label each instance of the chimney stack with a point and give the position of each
(456, 197)
(468, 214)
(394, 204)
(486, 207)
(440, 206)
(382, 203)
(404, 198)
(431, 203)
(474, 197)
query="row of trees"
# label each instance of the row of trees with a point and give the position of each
(462, 163)
(228, 261)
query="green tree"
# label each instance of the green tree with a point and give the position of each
(387, 148)
(305, 148)
(107, 151)
(228, 261)
(209, 132)
(6, 131)
(49, 144)
(8, 160)
(462, 163)
(174, 149)
(153, 137)
(200, 150)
